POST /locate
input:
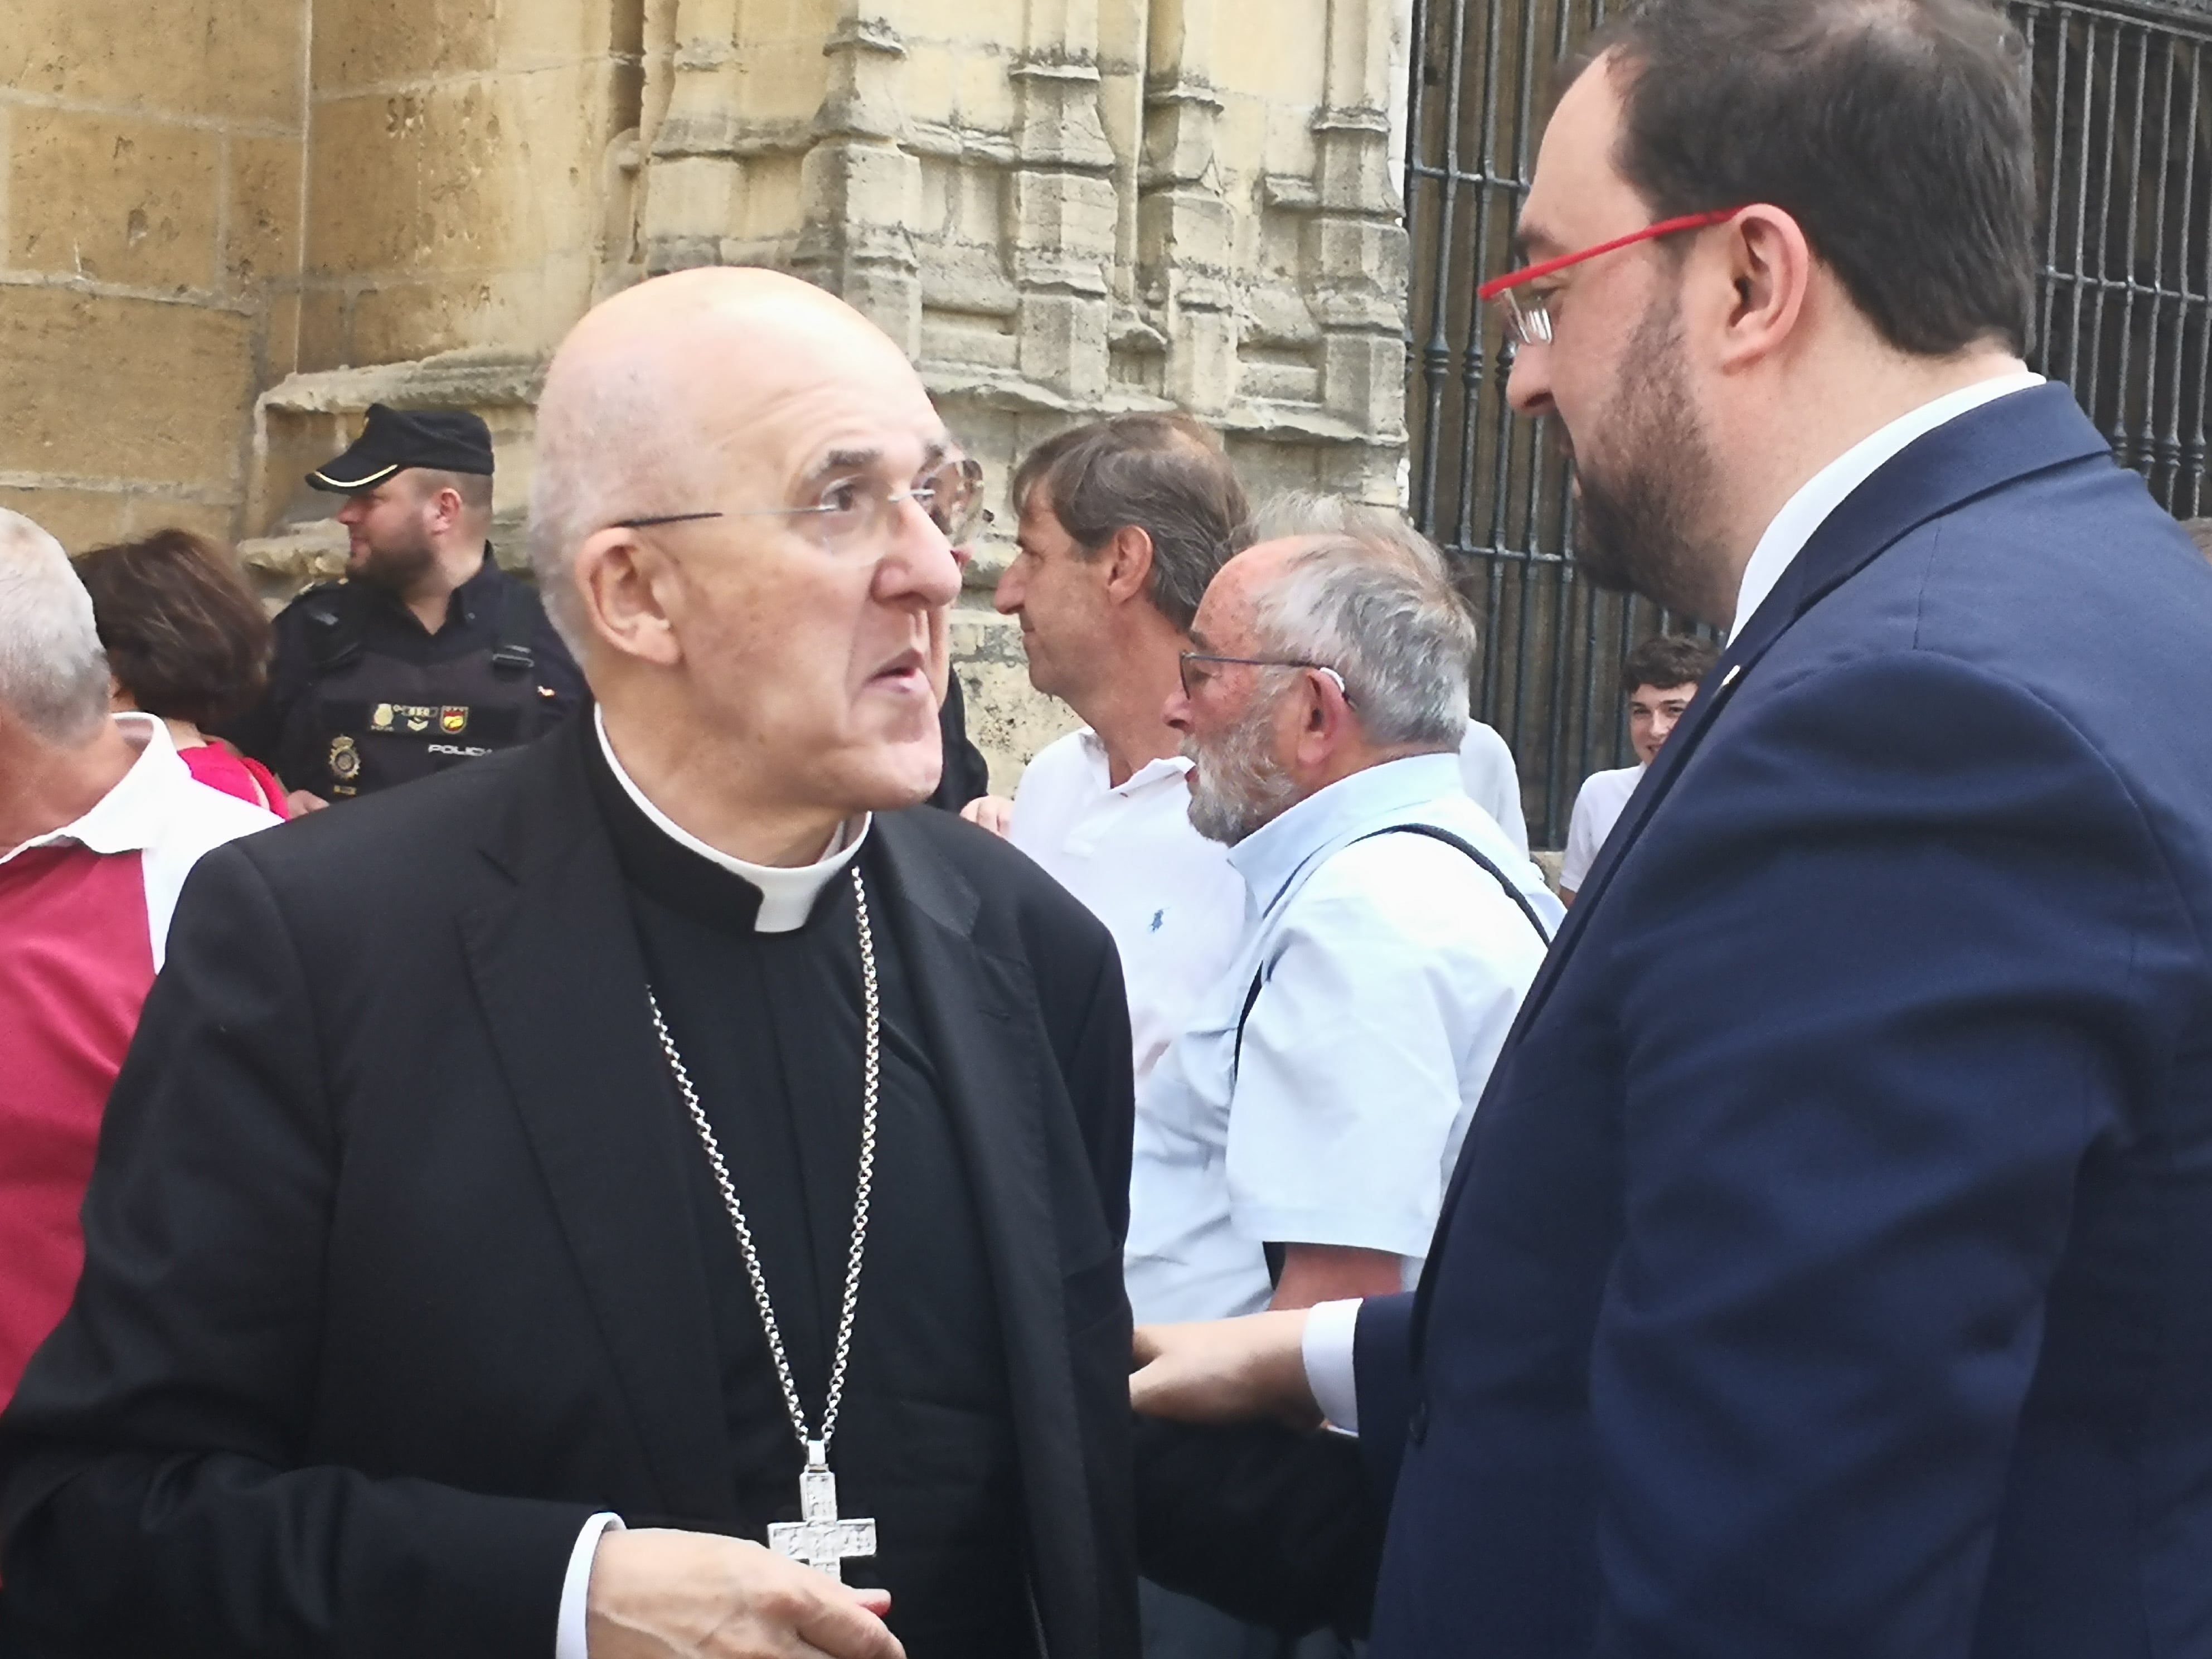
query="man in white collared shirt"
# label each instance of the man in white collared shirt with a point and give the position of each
(1122, 524)
(1294, 1143)
(1492, 782)
(1659, 678)
(99, 825)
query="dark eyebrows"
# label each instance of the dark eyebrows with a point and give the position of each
(1531, 243)
(1199, 641)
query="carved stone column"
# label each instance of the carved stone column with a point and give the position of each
(861, 185)
(1185, 257)
(1063, 202)
(694, 169)
(1356, 245)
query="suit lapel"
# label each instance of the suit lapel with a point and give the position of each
(561, 983)
(979, 1013)
(2010, 437)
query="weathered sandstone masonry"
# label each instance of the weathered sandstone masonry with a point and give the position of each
(227, 226)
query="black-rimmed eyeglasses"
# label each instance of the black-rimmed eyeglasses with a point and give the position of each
(1193, 680)
(858, 512)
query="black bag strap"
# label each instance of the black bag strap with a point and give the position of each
(334, 632)
(518, 610)
(1274, 1252)
(1449, 839)
(1467, 848)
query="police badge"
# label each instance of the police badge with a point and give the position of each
(345, 760)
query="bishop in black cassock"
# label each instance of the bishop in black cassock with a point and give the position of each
(766, 1012)
(405, 1265)
(404, 1260)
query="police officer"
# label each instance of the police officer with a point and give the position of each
(426, 654)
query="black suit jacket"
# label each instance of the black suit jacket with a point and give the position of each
(388, 1281)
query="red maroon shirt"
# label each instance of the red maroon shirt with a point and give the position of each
(84, 913)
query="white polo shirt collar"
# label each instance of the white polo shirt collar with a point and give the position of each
(132, 816)
(1162, 769)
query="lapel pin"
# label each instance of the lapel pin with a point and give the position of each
(1729, 678)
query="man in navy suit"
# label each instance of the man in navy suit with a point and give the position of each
(1828, 1271)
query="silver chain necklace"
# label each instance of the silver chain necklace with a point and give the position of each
(820, 1539)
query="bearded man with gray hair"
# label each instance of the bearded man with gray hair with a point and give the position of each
(1292, 1146)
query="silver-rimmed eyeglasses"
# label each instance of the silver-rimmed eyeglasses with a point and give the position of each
(856, 513)
(1192, 680)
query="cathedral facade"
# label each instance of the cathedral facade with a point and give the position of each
(229, 226)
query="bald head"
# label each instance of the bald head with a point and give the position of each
(661, 399)
(731, 522)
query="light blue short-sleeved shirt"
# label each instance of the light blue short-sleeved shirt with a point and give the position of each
(1390, 970)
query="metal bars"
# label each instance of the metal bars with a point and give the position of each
(2124, 293)
(2124, 314)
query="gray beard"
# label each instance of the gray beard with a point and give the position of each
(1238, 788)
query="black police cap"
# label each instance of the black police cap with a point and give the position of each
(392, 440)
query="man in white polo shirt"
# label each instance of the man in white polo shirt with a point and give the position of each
(1659, 678)
(1123, 523)
(1492, 782)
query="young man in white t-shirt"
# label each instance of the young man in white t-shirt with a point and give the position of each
(1661, 676)
(1122, 523)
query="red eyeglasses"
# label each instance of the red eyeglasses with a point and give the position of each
(1528, 316)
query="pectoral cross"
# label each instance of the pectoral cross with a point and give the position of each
(821, 1541)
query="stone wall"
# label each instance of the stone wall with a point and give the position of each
(465, 180)
(1060, 207)
(150, 211)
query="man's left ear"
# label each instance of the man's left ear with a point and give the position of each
(1129, 557)
(1770, 269)
(1327, 709)
(445, 509)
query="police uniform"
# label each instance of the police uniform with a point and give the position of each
(363, 696)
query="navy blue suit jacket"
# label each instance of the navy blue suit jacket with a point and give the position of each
(1829, 1270)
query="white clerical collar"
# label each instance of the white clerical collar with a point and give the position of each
(1823, 492)
(788, 896)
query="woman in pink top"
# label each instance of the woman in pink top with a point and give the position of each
(187, 641)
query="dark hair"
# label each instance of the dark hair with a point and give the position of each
(1667, 659)
(1166, 475)
(184, 634)
(1896, 132)
(2200, 531)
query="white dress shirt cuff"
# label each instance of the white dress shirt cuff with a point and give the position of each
(569, 1634)
(1326, 1346)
